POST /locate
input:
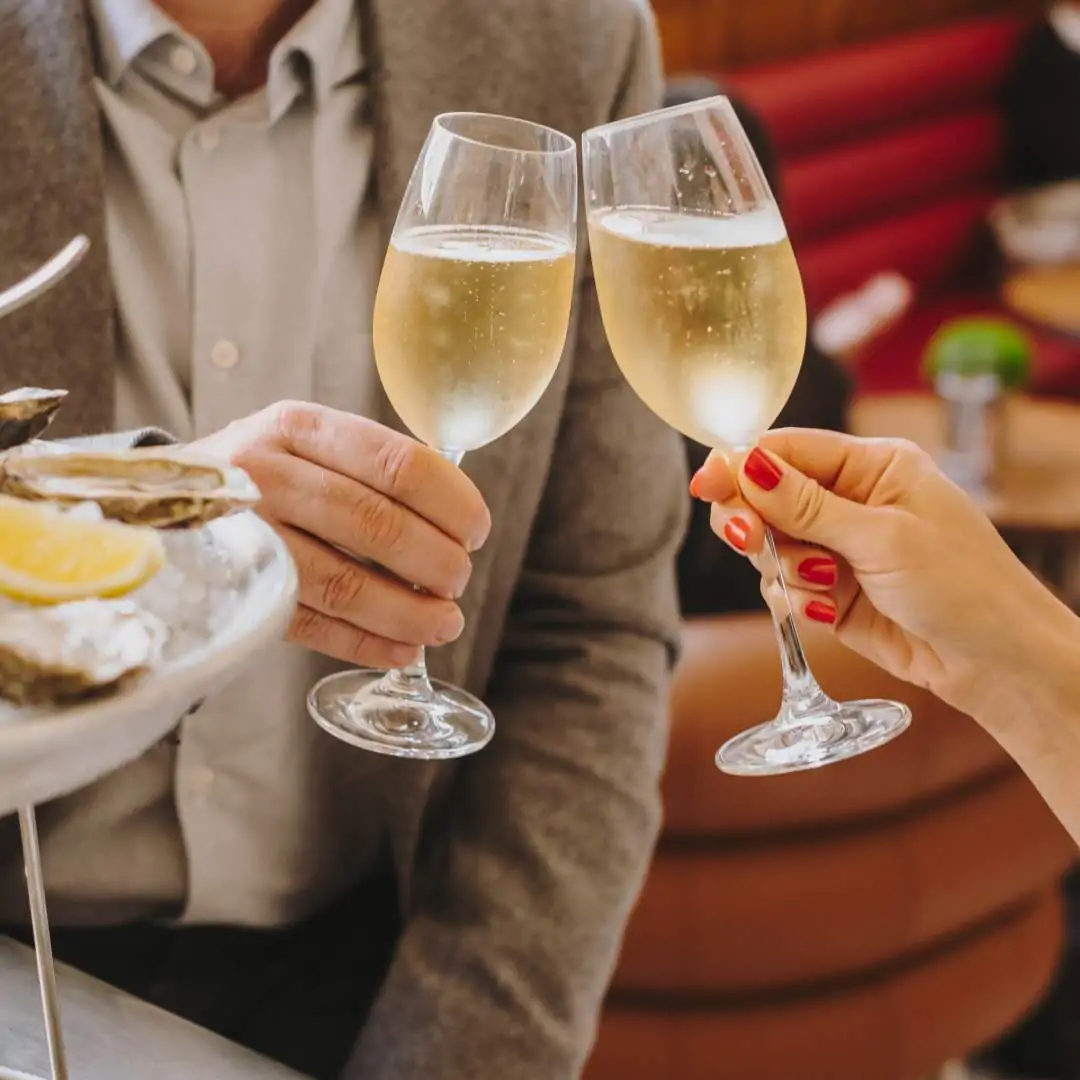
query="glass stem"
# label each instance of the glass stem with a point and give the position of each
(412, 681)
(801, 695)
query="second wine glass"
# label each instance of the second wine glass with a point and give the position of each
(470, 321)
(703, 305)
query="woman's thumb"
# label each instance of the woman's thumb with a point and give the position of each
(793, 502)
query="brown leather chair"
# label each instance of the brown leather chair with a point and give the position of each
(866, 921)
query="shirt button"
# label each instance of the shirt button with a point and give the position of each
(183, 60)
(208, 137)
(225, 355)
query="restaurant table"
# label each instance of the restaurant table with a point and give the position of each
(1036, 501)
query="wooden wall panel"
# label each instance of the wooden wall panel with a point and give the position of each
(711, 35)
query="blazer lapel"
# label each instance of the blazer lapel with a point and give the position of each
(51, 189)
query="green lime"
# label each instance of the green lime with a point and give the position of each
(980, 347)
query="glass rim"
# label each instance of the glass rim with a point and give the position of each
(568, 145)
(628, 123)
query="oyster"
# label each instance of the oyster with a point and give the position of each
(26, 413)
(56, 654)
(140, 487)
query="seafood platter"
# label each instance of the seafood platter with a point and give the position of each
(132, 584)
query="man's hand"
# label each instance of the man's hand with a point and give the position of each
(333, 483)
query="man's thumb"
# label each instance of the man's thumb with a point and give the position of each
(794, 503)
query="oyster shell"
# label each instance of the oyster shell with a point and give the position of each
(26, 413)
(139, 487)
(55, 654)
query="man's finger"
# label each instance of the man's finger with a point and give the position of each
(388, 462)
(335, 585)
(366, 523)
(345, 642)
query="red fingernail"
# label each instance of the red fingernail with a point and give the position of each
(761, 470)
(818, 570)
(737, 532)
(695, 483)
(820, 612)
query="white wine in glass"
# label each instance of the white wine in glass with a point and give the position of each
(703, 305)
(706, 316)
(469, 327)
(470, 321)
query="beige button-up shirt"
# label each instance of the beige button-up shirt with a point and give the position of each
(245, 258)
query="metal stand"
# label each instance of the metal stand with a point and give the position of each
(39, 919)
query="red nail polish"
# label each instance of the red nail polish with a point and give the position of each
(820, 612)
(818, 570)
(695, 484)
(737, 532)
(761, 470)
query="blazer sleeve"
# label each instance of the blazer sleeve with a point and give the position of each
(507, 953)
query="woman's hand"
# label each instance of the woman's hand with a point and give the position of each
(875, 542)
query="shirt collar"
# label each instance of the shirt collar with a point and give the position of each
(327, 42)
(125, 29)
(324, 46)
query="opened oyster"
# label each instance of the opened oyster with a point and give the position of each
(71, 651)
(26, 413)
(140, 487)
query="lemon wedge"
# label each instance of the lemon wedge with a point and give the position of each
(47, 557)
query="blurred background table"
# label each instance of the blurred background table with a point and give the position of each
(1047, 296)
(1037, 501)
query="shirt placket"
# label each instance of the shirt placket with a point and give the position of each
(248, 190)
(209, 165)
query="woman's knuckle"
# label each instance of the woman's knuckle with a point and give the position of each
(913, 457)
(894, 531)
(808, 504)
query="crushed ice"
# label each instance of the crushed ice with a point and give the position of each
(204, 582)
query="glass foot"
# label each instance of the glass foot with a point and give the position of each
(362, 708)
(838, 731)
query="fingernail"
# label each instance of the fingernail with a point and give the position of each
(821, 612)
(761, 470)
(737, 532)
(450, 627)
(818, 570)
(695, 485)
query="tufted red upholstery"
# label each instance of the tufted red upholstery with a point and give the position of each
(809, 104)
(890, 156)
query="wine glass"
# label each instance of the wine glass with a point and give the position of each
(703, 305)
(470, 321)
